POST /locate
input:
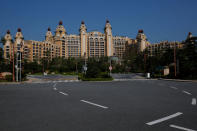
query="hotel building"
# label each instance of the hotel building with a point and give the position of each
(62, 44)
(161, 47)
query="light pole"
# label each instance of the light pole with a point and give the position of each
(175, 59)
(144, 63)
(17, 66)
(13, 70)
(110, 67)
(85, 67)
(20, 65)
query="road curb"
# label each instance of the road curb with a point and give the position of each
(179, 80)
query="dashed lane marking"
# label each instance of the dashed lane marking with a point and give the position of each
(164, 119)
(173, 87)
(63, 93)
(181, 128)
(55, 85)
(94, 104)
(193, 101)
(186, 92)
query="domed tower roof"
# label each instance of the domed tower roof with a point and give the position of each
(60, 22)
(19, 34)
(82, 27)
(60, 27)
(8, 36)
(82, 22)
(49, 34)
(60, 30)
(107, 25)
(107, 21)
(8, 31)
(140, 31)
(141, 35)
(189, 35)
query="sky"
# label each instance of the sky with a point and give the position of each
(160, 19)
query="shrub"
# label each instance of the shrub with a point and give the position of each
(8, 77)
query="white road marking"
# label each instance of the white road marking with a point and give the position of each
(186, 92)
(181, 128)
(164, 118)
(55, 85)
(193, 101)
(173, 87)
(94, 104)
(63, 93)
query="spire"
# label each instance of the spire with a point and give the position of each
(19, 34)
(49, 29)
(8, 36)
(19, 29)
(140, 31)
(189, 35)
(60, 30)
(82, 27)
(49, 35)
(8, 31)
(107, 21)
(60, 22)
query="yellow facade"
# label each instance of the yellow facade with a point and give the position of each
(61, 44)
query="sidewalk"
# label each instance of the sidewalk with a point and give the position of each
(180, 80)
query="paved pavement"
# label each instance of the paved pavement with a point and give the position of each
(117, 76)
(49, 78)
(138, 105)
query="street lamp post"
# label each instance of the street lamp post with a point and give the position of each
(110, 67)
(175, 59)
(17, 66)
(20, 65)
(13, 67)
(85, 66)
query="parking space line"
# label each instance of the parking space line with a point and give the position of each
(193, 101)
(164, 119)
(173, 87)
(94, 104)
(181, 128)
(63, 93)
(186, 92)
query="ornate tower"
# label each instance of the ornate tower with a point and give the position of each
(49, 35)
(60, 39)
(141, 41)
(83, 38)
(109, 39)
(60, 32)
(8, 45)
(189, 35)
(19, 40)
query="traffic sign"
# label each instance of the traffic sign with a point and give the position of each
(110, 67)
(85, 68)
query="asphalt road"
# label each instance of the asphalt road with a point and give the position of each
(136, 105)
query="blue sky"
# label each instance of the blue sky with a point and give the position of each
(160, 19)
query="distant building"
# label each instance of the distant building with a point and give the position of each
(158, 48)
(190, 39)
(142, 42)
(86, 44)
